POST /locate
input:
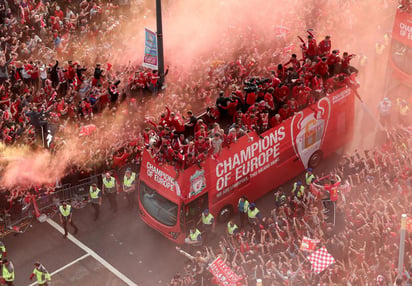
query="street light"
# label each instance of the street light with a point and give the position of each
(402, 245)
(159, 33)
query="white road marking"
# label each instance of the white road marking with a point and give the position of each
(65, 266)
(93, 254)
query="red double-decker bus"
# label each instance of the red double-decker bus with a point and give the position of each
(250, 167)
(399, 78)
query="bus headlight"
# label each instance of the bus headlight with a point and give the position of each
(174, 235)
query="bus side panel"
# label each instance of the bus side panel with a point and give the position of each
(255, 167)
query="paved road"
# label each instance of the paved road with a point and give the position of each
(121, 239)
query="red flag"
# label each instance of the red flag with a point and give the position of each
(320, 260)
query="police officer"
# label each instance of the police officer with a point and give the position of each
(232, 228)
(95, 196)
(254, 215)
(309, 176)
(194, 237)
(129, 186)
(280, 198)
(208, 223)
(7, 272)
(3, 252)
(110, 188)
(65, 214)
(298, 190)
(243, 206)
(42, 275)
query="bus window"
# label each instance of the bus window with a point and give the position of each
(160, 208)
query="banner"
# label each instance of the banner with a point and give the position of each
(223, 274)
(150, 50)
(308, 244)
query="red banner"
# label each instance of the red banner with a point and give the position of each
(223, 274)
(308, 244)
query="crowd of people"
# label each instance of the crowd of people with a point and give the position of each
(59, 89)
(363, 237)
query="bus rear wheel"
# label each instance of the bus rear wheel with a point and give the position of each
(225, 214)
(315, 159)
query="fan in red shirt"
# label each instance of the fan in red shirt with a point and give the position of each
(176, 122)
(312, 51)
(322, 68)
(333, 61)
(202, 144)
(275, 120)
(268, 98)
(294, 62)
(284, 112)
(325, 46)
(346, 67)
(293, 105)
(281, 93)
(274, 80)
(201, 133)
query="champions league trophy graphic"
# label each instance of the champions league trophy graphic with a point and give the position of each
(309, 130)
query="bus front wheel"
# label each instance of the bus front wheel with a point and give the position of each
(315, 159)
(225, 214)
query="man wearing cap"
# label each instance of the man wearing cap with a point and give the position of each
(42, 275)
(309, 176)
(110, 188)
(129, 186)
(7, 272)
(243, 206)
(208, 223)
(65, 213)
(254, 215)
(95, 196)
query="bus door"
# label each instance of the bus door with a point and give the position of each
(193, 211)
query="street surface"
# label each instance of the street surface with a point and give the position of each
(116, 245)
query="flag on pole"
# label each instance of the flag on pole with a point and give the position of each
(308, 244)
(321, 259)
(150, 59)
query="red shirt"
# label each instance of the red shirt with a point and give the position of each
(251, 98)
(321, 68)
(281, 93)
(325, 47)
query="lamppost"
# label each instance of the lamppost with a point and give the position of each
(402, 245)
(159, 33)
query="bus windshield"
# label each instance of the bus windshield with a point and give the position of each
(401, 56)
(160, 208)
